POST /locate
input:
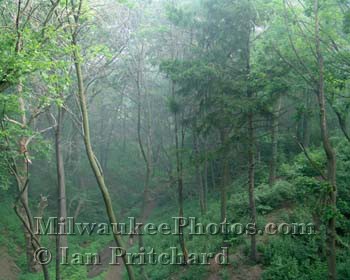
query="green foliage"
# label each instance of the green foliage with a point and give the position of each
(267, 197)
(346, 22)
(288, 268)
(274, 196)
(303, 166)
(293, 258)
(174, 105)
(343, 201)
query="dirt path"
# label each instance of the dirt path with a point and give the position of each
(114, 272)
(8, 268)
(241, 270)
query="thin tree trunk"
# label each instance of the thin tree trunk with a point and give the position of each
(199, 179)
(224, 178)
(327, 146)
(223, 191)
(124, 126)
(101, 138)
(28, 224)
(251, 154)
(205, 180)
(96, 168)
(306, 122)
(21, 171)
(274, 142)
(179, 178)
(251, 183)
(212, 174)
(61, 240)
(146, 157)
(22, 165)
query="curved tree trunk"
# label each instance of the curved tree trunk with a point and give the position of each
(95, 166)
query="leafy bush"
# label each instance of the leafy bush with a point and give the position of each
(271, 197)
(289, 258)
(282, 269)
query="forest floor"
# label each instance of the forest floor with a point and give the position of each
(239, 270)
(114, 272)
(9, 270)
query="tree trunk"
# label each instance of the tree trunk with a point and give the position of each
(179, 177)
(223, 191)
(22, 181)
(224, 177)
(198, 173)
(274, 142)
(22, 164)
(95, 166)
(330, 154)
(21, 173)
(146, 155)
(306, 122)
(251, 183)
(212, 174)
(205, 178)
(251, 146)
(61, 240)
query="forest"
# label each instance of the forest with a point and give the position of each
(174, 139)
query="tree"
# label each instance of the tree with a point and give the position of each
(313, 72)
(328, 148)
(95, 166)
